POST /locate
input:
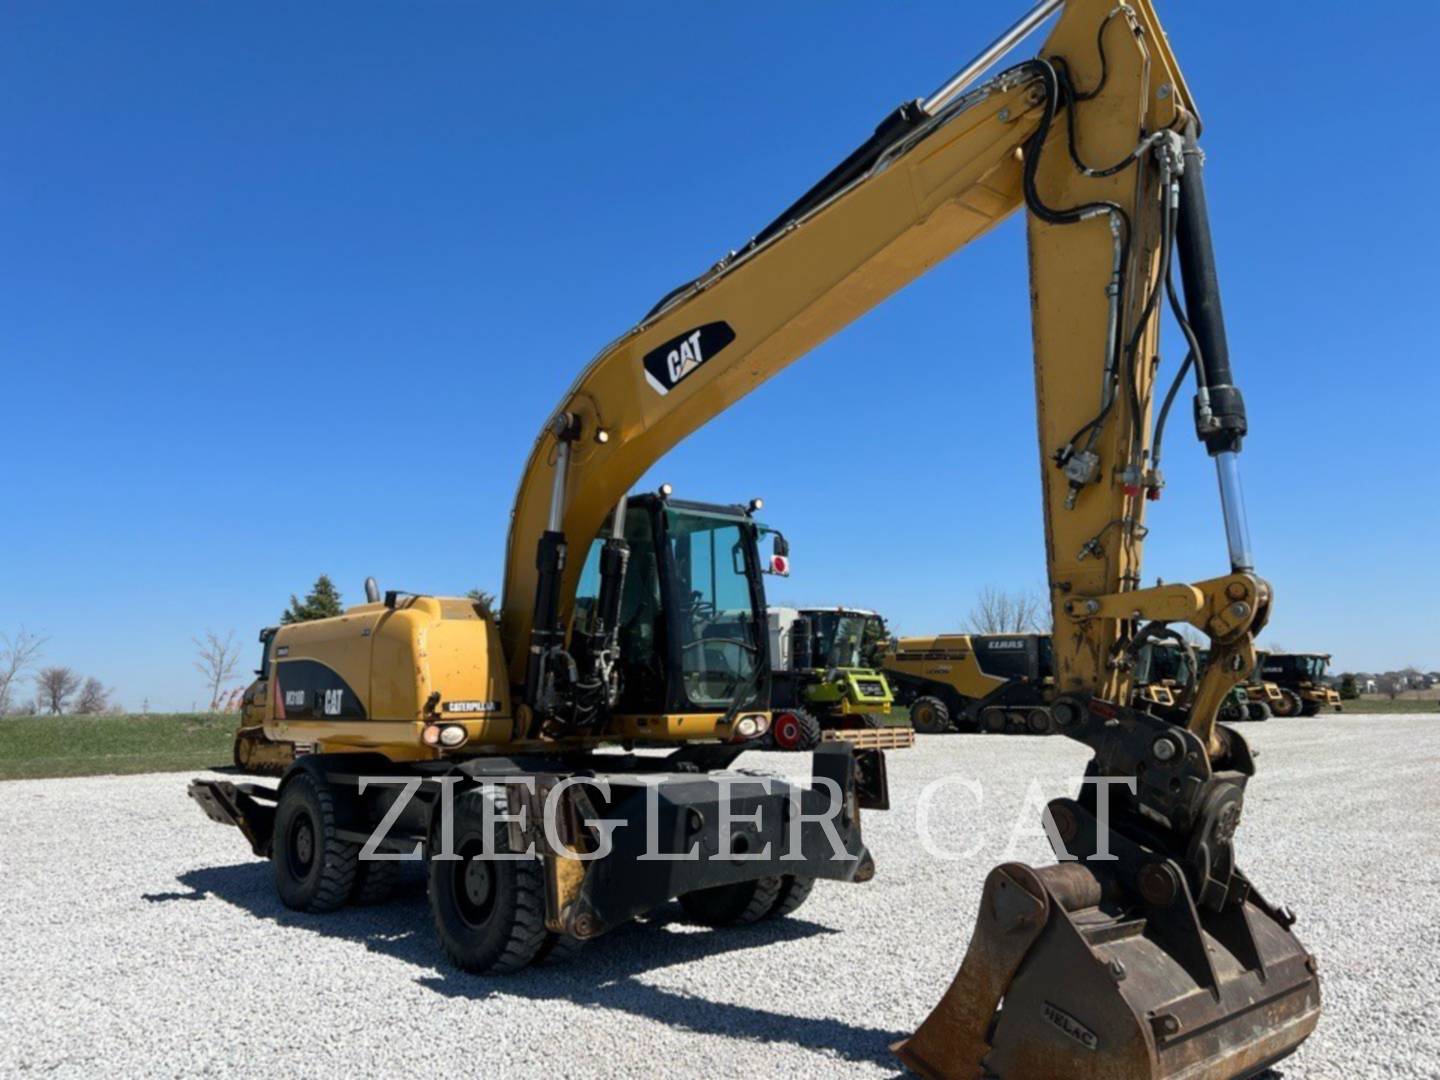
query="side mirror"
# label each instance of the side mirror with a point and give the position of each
(779, 557)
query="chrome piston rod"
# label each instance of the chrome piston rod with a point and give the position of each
(1232, 506)
(992, 52)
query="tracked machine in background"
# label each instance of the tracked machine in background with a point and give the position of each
(1001, 683)
(1146, 952)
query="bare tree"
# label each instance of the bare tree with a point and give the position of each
(94, 697)
(216, 660)
(54, 686)
(17, 655)
(485, 601)
(999, 612)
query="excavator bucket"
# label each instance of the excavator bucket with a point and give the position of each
(1075, 973)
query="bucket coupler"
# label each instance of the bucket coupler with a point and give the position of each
(1145, 953)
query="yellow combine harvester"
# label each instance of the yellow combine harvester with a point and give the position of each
(1145, 952)
(974, 682)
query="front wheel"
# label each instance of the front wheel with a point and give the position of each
(1310, 708)
(489, 912)
(1289, 704)
(738, 904)
(929, 716)
(794, 891)
(795, 729)
(1258, 711)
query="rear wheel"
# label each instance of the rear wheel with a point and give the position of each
(796, 729)
(558, 948)
(489, 912)
(314, 870)
(1258, 710)
(375, 881)
(1288, 705)
(794, 891)
(929, 715)
(734, 905)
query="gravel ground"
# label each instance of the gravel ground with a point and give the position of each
(141, 939)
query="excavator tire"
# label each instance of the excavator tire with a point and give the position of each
(489, 913)
(794, 891)
(1289, 704)
(929, 715)
(558, 948)
(795, 729)
(314, 869)
(739, 904)
(375, 881)
(1310, 708)
(1258, 711)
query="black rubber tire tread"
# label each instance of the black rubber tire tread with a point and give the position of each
(794, 891)
(329, 886)
(738, 904)
(375, 881)
(1289, 705)
(1258, 711)
(810, 732)
(1309, 708)
(559, 948)
(941, 712)
(511, 939)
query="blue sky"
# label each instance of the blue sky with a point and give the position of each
(289, 288)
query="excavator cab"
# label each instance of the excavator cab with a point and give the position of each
(690, 653)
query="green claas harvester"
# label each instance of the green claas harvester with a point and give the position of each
(825, 682)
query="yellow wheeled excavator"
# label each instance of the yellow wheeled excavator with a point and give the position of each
(1145, 952)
